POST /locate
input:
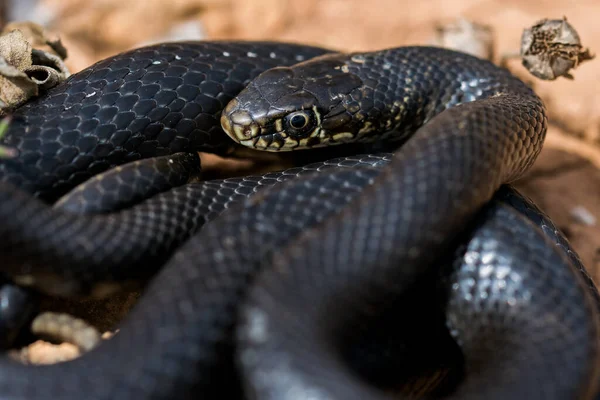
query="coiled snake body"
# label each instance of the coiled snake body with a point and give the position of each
(305, 283)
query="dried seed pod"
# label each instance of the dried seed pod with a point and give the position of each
(551, 48)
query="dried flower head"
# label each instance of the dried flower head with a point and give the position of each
(551, 48)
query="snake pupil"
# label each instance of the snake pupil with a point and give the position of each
(298, 121)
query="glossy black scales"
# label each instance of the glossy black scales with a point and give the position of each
(146, 102)
(274, 293)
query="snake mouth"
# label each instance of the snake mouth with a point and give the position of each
(269, 138)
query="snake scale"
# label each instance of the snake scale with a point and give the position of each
(350, 277)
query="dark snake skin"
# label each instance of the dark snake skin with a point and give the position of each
(147, 102)
(105, 252)
(18, 307)
(126, 185)
(303, 289)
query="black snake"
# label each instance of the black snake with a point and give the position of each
(345, 278)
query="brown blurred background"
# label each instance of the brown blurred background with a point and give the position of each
(565, 181)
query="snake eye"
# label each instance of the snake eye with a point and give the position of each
(300, 123)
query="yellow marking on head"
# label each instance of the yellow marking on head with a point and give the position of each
(279, 125)
(314, 134)
(367, 127)
(240, 117)
(304, 142)
(239, 132)
(261, 142)
(317, 115)
(290, 143)
(225, 123)
(342, 135)
(248, 143)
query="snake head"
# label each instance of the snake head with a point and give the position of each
(289, 108)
